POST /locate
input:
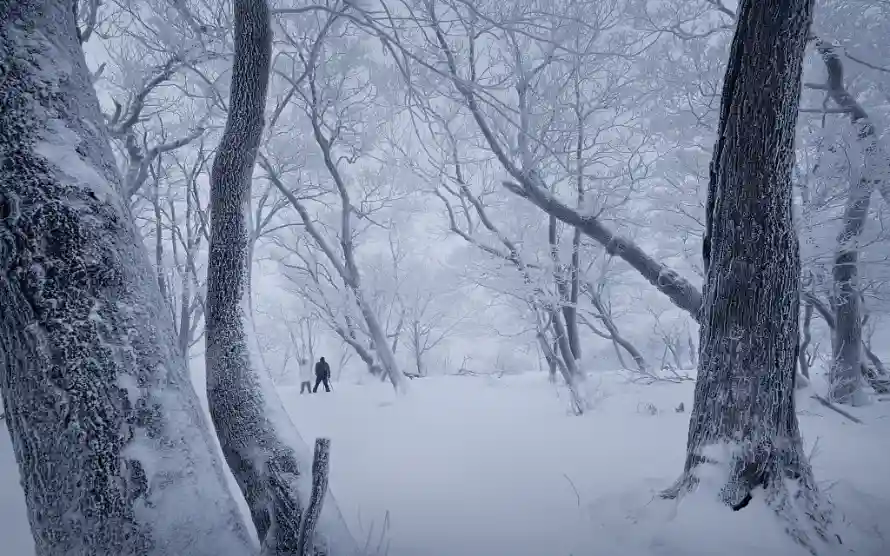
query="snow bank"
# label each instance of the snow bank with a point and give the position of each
(467, 466)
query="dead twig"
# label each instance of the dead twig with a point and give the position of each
(830, 405)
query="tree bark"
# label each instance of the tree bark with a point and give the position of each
(110, 440)
(744, 394)
(256, 435)
(573, 376)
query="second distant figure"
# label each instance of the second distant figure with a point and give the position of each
(305, 375)
(322, 375)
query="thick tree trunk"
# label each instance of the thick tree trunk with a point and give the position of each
(845, 373)
(257, 437)
(114, 452)
(744, 395)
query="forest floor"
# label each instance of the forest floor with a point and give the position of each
(485, 466)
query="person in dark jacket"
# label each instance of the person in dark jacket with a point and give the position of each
(322, 375)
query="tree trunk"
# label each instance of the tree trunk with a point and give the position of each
(573, 376)
(845, 374)
(567, 290)
(378, 336)
(256, 435)
(186, 307)
(744, 394)
(113, 449)
(574, 293)
(876, 374)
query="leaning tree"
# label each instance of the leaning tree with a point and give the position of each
(260, 444)
(113, 449)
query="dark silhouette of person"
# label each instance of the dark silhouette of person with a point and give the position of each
(322, 375)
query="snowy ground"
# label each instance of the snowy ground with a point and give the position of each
(476, 466)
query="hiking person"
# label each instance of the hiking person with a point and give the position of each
(305, 375)
(322, 375)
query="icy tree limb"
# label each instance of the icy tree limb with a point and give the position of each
(679, 290)
(139, 159)
(89, 20)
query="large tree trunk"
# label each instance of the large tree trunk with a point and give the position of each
(257, 437)
(114, 452)
(744, 394)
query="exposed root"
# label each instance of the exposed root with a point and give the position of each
(788, 488)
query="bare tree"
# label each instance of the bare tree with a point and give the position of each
(744, 395)
(845, 376)
(427, 327)
(178, 233)
(112, 447)
(322, 289)
(245, 409)
(324, 103)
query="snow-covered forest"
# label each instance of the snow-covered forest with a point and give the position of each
(591, 277)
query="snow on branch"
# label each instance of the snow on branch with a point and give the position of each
(682, 292)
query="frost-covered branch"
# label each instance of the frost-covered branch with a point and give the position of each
(141, 157)
(679, 290)
(90, 18)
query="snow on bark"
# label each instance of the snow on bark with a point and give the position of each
(263, 450)
(679, 290)
(114, 453)
(744, 395)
